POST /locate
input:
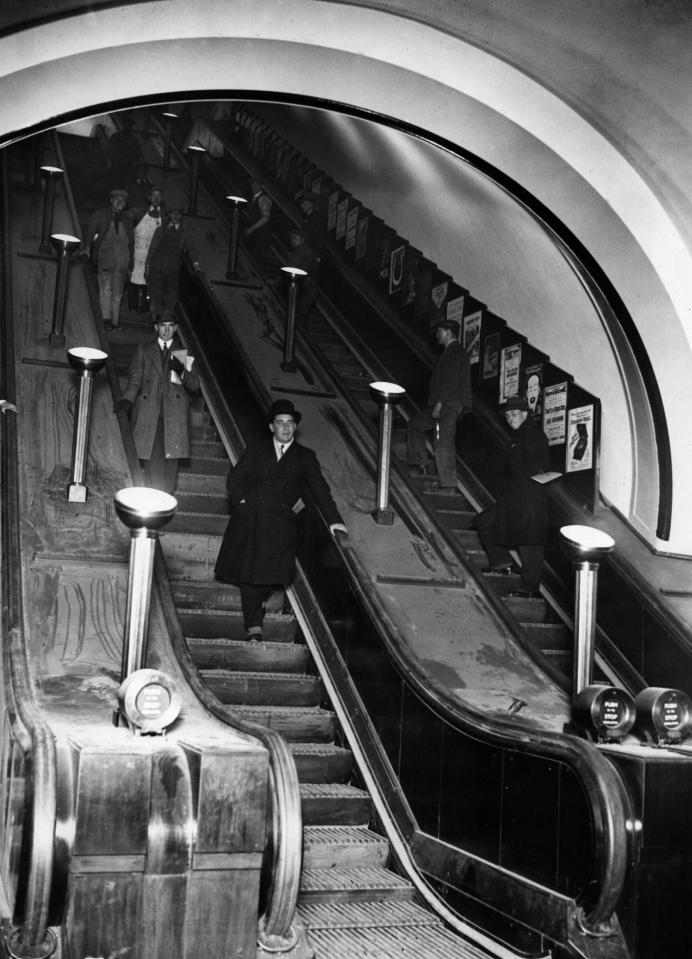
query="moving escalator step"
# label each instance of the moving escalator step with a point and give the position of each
(345, 847)
(260, 689)
(326, 804)
(229, 624)
(242, 655)
(352, 885)
(322, 762)
(307, 724)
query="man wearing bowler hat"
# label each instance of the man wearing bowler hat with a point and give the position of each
(519, 518)
(449, 395)
(259, 546)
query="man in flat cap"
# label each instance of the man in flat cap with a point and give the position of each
(449, 395)
(259, 546)
(519, 517)
(109, 239)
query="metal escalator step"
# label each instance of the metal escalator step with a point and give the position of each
(188, 521)
(411, 942)
(334, 804)
(258, 689)
(243, 655)
(352, 885)
(550, 636)
(207, 465)
(294, 723)
(212, 595)
(366, 915)
(193, 502)
(337, 847)
(322, 762)
(229, 624)
(528, 609)
(196, 482)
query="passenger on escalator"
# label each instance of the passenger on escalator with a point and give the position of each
(168, 245)
(124, 153)
(303, 257)
(449, 395)
(519, 518)
(109, 241)
(146, 225)
(259, 546)
(314, 225)
(257, 235)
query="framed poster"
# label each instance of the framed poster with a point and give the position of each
(396, 269)
(533, 388)
(510, 365)
(555, 413)
(410, 282)
(579, 454)
(455, 310)
(351, 223)
(472, 336)
(341, 210)
(331, 209)
(491, 356)
(362, 237)
(438, 295)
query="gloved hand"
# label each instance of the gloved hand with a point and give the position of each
(122, 405)
(175, 365)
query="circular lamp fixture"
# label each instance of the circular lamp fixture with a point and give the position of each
(64, 242)
(387, 392)
(663, 715)
(171, 114)
(604, 713)
(139, 506)
(294, 272)
(197, 147)
(86, 359)
(236, 199)
(585, 544)
(51, 171)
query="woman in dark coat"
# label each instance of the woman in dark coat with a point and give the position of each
(519, 518)
(259, 545)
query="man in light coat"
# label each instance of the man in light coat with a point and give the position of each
(157, 395)
(259, 546)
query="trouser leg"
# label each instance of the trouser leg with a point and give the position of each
(105, 278)
(498, 555)
(252, 600)
(417, 427)
(119, 281)
(531, 566)
(445, 446)
(156, 292)
(171, 289)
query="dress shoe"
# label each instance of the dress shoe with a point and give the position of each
(254, 637)
(509, 569)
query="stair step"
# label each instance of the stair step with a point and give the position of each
(193, 502)
(212, 595)
(208, 447)
(334, 804)
(387, 942)
(322, 762)
(352, 885)
(196, 482)
(553, 636)
(337, 847)
(243, 654)
(366, 915)
(190, 555)
(260, 689)
(209, 524)
(296, 724)
(229, 624)
(207, 465)
(529, 610)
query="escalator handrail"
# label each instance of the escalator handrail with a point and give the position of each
(27, 725)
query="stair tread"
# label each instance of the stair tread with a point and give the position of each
(259, 675)
(339, 790)
(366, 915)
(351, 835)
(388, 942)
(354, 877)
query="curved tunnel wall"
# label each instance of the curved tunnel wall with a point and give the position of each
(376, 61)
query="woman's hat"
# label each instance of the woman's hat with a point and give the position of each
(515, 403)
(282, 408)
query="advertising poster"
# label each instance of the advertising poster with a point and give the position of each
(410, 284)
(455, 310)
(579, 439)
(351, 226)
(438, 295)
(362, 237)
(396, 269)
(555, 413)
(341, 211)
(533, 388)
(510, 365)
(331, 209)
(472, 336)
(491, 356)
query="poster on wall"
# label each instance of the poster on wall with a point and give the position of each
(472, 336)
(533, 388)
(510, 365)
(555, 413)
(341, 210)
(396, 269)
(410, 282)
(491, 356)
(331, 209)
(579, 439)
(455, 310)
(351, 227)
(362, 237)
(438, 294)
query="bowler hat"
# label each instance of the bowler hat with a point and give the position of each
(516, 403)
(448, 325)
(282, 408)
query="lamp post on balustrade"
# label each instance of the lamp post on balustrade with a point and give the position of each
(64, 245)
(87, 362)
(143, 511)
(195, 151)
(295, 275)
(231, 273)
(51, 175)
(386, 395)
(584, 546)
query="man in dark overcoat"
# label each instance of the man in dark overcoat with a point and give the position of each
(519, 518)
(168, 245)
(259, 545)
(157, 394)
(449, 394)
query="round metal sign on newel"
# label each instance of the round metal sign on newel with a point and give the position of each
(150, 701)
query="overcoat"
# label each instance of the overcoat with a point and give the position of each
(259, 544)
(152, 393)
(99, 222)
(520, 515)
(451, 378)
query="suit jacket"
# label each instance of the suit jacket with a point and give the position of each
(451, 379)
(184, 244)
(150, 390)
(259, 544)
(98, 225)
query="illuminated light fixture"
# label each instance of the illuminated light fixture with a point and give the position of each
(231, 267)
(51, 174)
(143, 511)
(584, 546)
(295, 275)
(64, 244)
(387, 396)
(195, 150)
(87, 362)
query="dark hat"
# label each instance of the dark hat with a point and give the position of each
(282, 408)
(166, 317)
(516, 403)
(448, 325)
(296, 231)
(122, 193)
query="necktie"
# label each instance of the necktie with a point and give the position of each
(164, 357)
(116, 221)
